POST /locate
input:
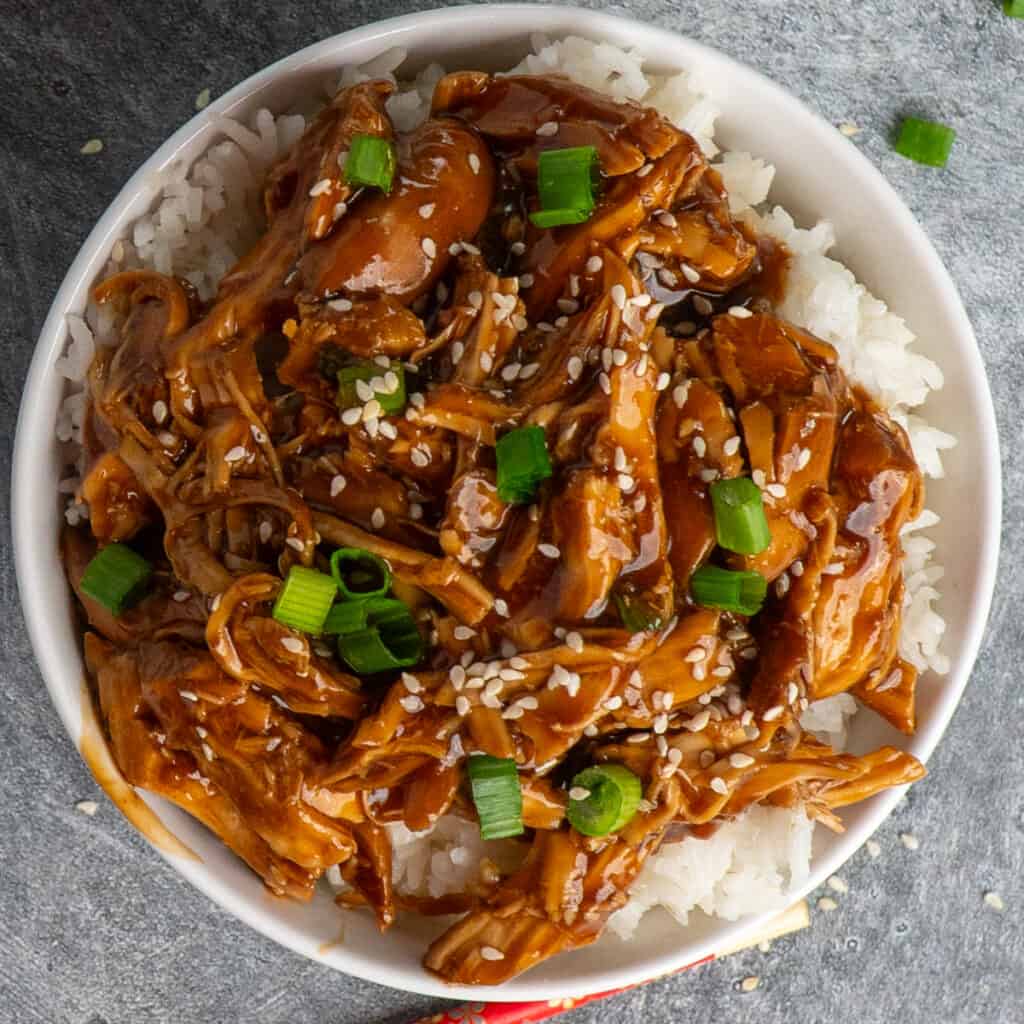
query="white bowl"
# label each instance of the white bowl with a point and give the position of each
(820, 174)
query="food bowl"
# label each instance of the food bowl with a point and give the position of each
(820, 174)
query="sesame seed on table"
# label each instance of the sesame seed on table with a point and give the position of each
(923, 924)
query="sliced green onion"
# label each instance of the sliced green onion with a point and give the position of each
(370, 161)
(496, 793)
(1014, 8)
(353, 616)
(385, 635)
(374, 377)
(566, 180)
(523, 462)
(116, 577)
(742, 592)
(740, 523)
(360, 574)
(926, 142)
(378, 649)
(613, 795)
(305, 599)
(637, 616)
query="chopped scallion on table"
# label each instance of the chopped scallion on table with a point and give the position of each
(613, 794)
(925, 142)
(741, 592)
(116, 577)
(305, 599)
(523, 462)
(494, 782)
(566, 180)
(740, 522)
(370, 162)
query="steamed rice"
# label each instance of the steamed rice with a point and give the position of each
(207, 215)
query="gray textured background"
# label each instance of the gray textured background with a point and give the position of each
(95, 929)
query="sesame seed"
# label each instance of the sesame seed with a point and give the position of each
(803, 458)
(619, 357)
(378, 519)
(579, 793)
(87, 807)
(718, 784)
(501, 607)
(412, 703)
(474, 163)
(549, 550)
(528, 371)
(372, 410)
(511, 713)
(732, 446)
(295, 543)
(667, 220)
(700, 446)
(518, 248)
(613, 704)
(836, 884)
(740, 312)
(574, 642)
(594, 264)
(236, 454)
(429, 247)
(873, 848)
(350, 417)
(411, 683)
(662, 382)
(758, 477)
(427, 210)
(618, 294)
(92, 147)
(645, 170)
(339, 211)
(995, 901)
(462, 705)
(575, 367)
(525, 280)
(776, 490)
(340, 305)
(464, 633)
(490, 953)
(689, 273)
(679, 394)
(696, 654)
(660, 724)
(909, 840)
(265, 531)
(827, 904)
(701, 305)
(698, 722)
(792, 693)
(749, 984)
(548, 128)
(606, 384)
(486, 362)
(293, 644)
(568, 306)
(797, 568)
(202, 99)
(833, 569)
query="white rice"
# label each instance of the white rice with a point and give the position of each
(207, 215)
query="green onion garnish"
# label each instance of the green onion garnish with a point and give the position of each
(612, 796)
(637, 616)
(566, 180)
(523, 462)
(390, 394)
(740, 523)
(116, 577)
(376, 635)
(742, 592)
(370, 161)
(360, 574)
(1014, 8)
(353, 616)
(926, 142)
(496, 793)
(305, 599)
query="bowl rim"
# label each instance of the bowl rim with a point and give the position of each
(522, 18)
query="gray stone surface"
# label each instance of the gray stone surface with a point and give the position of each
(95, 928)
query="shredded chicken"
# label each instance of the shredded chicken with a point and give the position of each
(220, 451)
